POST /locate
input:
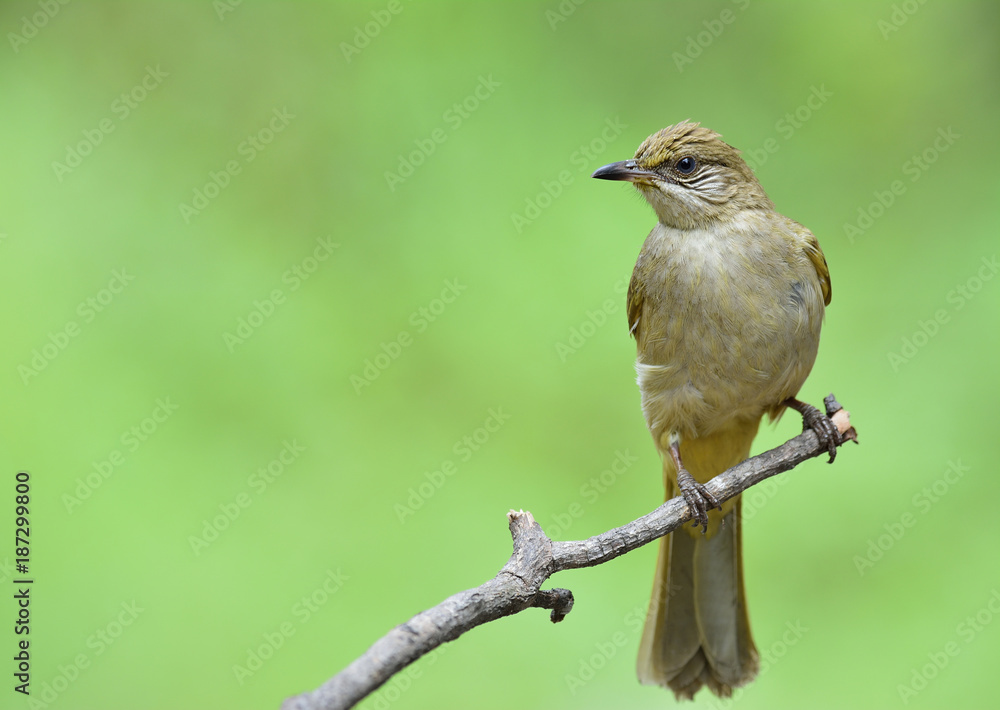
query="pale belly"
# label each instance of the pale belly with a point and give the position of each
(729, 330)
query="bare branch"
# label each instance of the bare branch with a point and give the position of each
(536, 558)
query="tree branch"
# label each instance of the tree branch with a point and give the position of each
(535, 558)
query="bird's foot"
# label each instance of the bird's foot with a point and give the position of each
(812, 418)
(697, 497)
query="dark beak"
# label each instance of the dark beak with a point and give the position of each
(624, 170)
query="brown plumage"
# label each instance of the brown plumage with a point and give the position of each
(725, 304)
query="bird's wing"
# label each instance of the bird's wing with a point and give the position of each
(633, 302)
(815, 254)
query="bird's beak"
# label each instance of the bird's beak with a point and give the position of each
(623, 170)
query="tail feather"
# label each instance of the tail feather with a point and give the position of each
(697, 630)
(673, 590)
(718, 605)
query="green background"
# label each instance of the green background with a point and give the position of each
(892, 75)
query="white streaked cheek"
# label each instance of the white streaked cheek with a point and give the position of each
(712, 187)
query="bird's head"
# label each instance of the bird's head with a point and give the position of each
(690, 177)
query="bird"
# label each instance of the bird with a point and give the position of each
(725, 303)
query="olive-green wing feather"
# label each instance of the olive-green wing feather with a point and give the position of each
(633, 302)
(815, 255)
(811, 246)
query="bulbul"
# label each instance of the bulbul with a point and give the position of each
(725, 304)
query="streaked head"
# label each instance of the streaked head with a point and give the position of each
(690, 177)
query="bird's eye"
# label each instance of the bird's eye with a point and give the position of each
(686, 165)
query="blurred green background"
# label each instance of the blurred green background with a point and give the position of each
(301, 298)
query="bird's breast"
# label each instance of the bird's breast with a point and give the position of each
(729, 324)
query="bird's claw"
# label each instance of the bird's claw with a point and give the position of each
(826, 430)
(697, 497)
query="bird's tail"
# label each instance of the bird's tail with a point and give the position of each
(697, 630)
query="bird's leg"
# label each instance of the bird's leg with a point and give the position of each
(697, 497)
(812, 418)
